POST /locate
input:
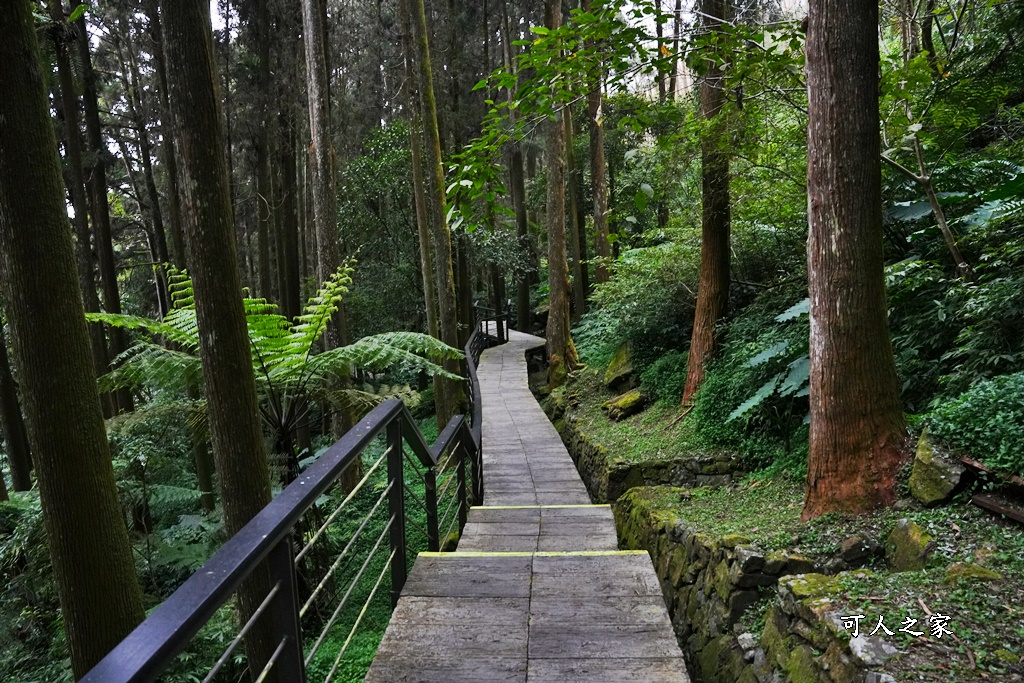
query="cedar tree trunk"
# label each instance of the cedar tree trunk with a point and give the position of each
(858, 433)
(561, 351)
(448, 394)
(713, 288)
(92, 560)
(210, 244)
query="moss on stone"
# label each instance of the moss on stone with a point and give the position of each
(805, 586)
(620, 407)
(620, 370)
(908, 547)
(933, 479)
(801, 667)
(960, 572)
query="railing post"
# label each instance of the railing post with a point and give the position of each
(284, 612)
(430, 499)
(463, 504)
(396, 508)
(478, 469)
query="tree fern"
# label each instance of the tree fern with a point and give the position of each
(289, 371)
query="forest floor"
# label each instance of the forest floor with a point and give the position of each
(653, 434)
(986, 616)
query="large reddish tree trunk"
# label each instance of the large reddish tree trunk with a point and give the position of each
(93, 568)
(858, 432)
(713, 288)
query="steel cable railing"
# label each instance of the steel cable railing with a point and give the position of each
(328, 589)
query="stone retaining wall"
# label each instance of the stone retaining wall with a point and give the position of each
(607, 477)
(710, 583)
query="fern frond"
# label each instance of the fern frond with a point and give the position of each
(169, 328)
(420, 344)
(375, 353)
(312, 324)
(150, 364)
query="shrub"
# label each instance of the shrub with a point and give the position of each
(986, 421)
(665, 378)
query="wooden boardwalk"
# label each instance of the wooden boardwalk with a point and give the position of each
(537, 590)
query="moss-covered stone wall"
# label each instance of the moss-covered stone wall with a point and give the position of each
(743, 616)
(607, 477)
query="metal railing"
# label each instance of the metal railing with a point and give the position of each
(324, 547)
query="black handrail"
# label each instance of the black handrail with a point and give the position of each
(146, 652)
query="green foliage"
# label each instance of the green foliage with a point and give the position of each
(31, 630)
(665, 378)
(792, 380)
(289, 373)
(986, 422)
(649, 301)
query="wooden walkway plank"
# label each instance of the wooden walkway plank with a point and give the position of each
(537, 590)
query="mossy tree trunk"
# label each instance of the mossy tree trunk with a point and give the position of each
(74, 181)
(92, 562)
(598, 182)
(448, 394)
(858, 431)
(99, 209)
(19, 455)
(561, 351)
(577, 241)
(228, 379)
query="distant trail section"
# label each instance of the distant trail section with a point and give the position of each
(537, 590)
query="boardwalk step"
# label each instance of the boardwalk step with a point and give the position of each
(546, 528)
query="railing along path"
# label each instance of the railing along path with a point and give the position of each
(412, 496)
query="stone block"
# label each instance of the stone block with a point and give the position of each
(908, 547)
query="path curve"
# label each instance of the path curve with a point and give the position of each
(537, 591)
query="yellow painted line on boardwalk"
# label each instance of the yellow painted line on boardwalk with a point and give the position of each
(539, 553)
(533, 507)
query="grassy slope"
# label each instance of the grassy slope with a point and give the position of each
(651, 435)
(987, 617)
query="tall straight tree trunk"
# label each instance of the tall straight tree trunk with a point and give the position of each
(673, 85)
(517, 184)
(290, 295)
(659, 32)
(264, 193)
(713, 288)
(67, 110)
(524, 314)
(314, 22)
(464, 287)
(448, 394)
(579, 289)
(418, 182)
(176, 241)
(99, 209)
(858, 431)
(19, 455)
(228, 379)
(599, 185)
(92, 560)
(561, 351)
(151, 200)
